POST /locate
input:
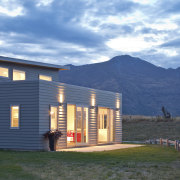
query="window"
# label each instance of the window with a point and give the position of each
(18, 75)
(53, 115)
(14, 116)
(4, 72)
(46, 78)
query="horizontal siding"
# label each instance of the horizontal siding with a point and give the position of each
(49, 95)
(25, 94)
(32, 72)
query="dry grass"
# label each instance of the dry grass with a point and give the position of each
(139, 118)
(145, 127)
(142, 163)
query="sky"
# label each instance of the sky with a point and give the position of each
(91, 31)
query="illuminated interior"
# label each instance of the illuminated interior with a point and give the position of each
(46, 78)
(18, 75)
(105, 125)
(14, 116)
(77, 125)
(4, 72)
(53, 115)
(71, 125)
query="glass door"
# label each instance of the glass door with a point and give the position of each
(81, 125)
(103, 125)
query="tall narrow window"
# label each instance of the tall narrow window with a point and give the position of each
(53, 123)
(4, 72)
(14, 116)
(18, 75)
(46, 78)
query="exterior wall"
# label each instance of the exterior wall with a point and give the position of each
(50, 93)
(26, 95)
(32, 72)
(35, 98)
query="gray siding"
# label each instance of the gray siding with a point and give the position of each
(32, 72)
(35, 98)
(49, 95)
(26, 95)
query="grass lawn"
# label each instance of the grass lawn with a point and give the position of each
(148, 162)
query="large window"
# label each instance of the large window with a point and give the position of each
(14, 116)
(53, 123)
(77, 125)
(4, 72)
(18, 75)
(46, 78)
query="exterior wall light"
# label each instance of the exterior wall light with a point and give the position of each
(93, 100)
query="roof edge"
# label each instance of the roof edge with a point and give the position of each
(33, 63)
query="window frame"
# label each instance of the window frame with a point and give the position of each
(45, 76)
(7, 70)
(12, 105)
(20, 72)
(50, 117)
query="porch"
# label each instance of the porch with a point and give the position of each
(101, 148)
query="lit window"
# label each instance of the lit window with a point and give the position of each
(46, 78)
(53, 115)
(14, 116)
(4, 72)
(18, 75)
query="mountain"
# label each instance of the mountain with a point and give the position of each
(145, 87)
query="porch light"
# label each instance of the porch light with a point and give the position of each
(117, 104)
(61, 98)
(93, 100)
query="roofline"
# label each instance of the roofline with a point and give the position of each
(33, 63)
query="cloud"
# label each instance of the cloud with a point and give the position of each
(172, 43)
(88, 31)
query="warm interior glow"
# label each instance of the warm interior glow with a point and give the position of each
(77, 125)
(71, 124)
(103, 124)
(111, 125)
(61, 98)
(44, 77)
(93, 100)
(53, 115)
(118, 104)
(4, 72)
(18, 75)
(14, 116)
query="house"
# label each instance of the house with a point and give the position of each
(33, 101)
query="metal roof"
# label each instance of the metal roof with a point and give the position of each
(33, 63)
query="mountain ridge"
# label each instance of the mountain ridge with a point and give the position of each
(144, 86)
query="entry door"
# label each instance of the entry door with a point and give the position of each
(81, 125)
(103, 125)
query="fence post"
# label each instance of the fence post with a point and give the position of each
(160, 141)
(167, 142)
(175, 144)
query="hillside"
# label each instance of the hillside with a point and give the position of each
(145, 87)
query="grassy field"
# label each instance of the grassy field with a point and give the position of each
(148, 162)
(143, 128)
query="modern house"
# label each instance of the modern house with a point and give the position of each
(32, 102)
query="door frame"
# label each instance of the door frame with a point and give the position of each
(109, 128)
(82, 143)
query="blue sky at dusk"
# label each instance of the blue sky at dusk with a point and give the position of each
(90, 31)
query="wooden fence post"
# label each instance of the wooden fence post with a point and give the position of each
(175, 144)
(167, 142)
(160, 141)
